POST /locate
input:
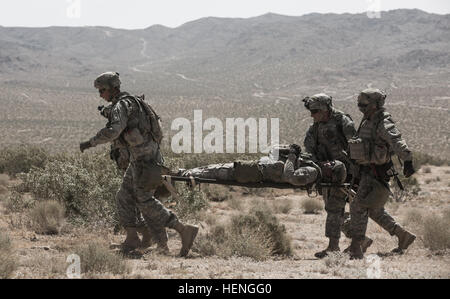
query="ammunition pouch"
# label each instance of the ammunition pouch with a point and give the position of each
(365, 152)
(247, 172)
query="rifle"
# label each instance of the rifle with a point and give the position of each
(193, 181)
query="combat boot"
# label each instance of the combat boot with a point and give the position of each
(364, 245)
(187, 233)
(132, 240)
(333, 245)
(356, 250)
(146, 237)
(405, 238)
(162, 240)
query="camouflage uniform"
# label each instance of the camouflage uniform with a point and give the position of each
(327, 141)
(388, 139)
(136, 189)
(298, 171)
(119, 153)
(377, 139)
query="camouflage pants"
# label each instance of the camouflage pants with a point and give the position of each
(334, 206)
(136, 191)
(360, 213)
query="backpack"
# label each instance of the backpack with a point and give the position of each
(153, 126)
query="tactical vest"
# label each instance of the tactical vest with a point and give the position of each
(368, 147)
(330, 141)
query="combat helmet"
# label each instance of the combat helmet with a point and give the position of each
(108, 80)
(372, 95)
(319, 101)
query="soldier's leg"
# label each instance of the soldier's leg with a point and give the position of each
(359, 217)
(126, 207)
(388, 223)
(334, 206)
(155, 214)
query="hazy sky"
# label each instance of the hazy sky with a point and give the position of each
(132, 14)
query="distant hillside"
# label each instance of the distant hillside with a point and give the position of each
(269, 54)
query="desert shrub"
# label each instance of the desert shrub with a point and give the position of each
(436, 232)
(284, 206)
(420, 159)
(85, 185)
(47, 217)
(427, 170)
(8, 263)
(225, 242)
(411, 186)
(311, 206)
(257, 235)
(14, 160)
(189, 203)
(263, 221)
(17, 202)
(216, 192)
(96, 258)
(413, 217)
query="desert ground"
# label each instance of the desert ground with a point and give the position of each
(45, 256)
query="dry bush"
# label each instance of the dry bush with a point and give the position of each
(427, 169)
(413, 217)
(17, 202)
(85, 184)
(96, 258)
(8, 263)
(257, 235)
(190, 203)
(262, 220)
(311, 206)
(284, 206)
(14, 160)
(436, 232)
(47, 217)
(217, 193)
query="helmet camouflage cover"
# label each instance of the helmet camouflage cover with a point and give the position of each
(108, 80)
(372, 95)
(319, 101)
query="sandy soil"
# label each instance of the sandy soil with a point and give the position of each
(42, 256)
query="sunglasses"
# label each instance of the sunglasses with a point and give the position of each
(101, 91)
(314, 111)
(362, 105)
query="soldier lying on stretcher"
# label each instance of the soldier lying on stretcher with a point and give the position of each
(292, 166)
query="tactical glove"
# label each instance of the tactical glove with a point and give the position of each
(408, 169)
(85, 145)
(295, 149)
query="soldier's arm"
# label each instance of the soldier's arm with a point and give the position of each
(310, 143)
(389, 133)
(298, 177)
(348, 127)
(118, 122)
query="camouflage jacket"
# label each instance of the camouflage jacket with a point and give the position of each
(381, 132)
(124, 119)
(300, 171)
(327, 141)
